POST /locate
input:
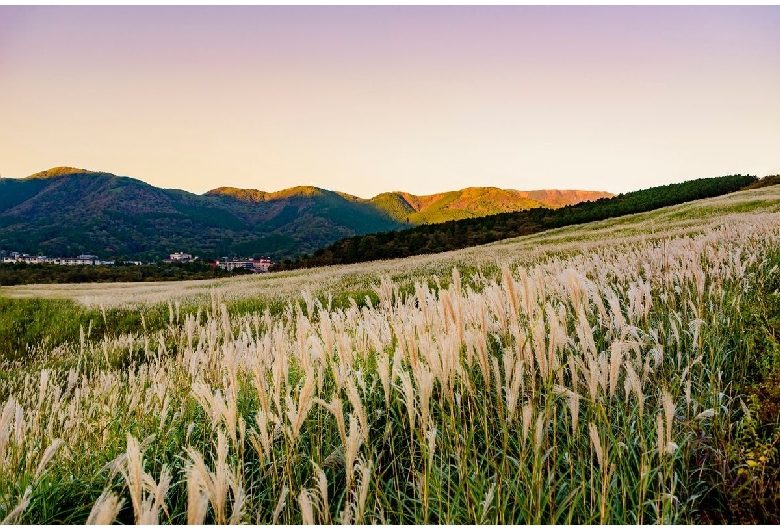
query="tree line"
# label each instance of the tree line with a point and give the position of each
(29, 273)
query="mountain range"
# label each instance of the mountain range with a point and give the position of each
(68, 211)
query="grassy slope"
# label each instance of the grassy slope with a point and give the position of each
(735, 490)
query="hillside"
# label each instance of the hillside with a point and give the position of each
(475, 202)
(452, 235)
(69, 211)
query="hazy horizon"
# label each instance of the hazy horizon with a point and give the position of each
(366, 100)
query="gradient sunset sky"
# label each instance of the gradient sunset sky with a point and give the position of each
(373, 99)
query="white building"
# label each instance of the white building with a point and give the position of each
(179, 257)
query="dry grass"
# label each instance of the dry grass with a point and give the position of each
(571, 376)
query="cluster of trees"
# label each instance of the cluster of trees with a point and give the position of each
(29, 273)
(463, 233)
(769, 180)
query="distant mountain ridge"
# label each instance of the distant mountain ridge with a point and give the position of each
(69, 211)
(446, 206)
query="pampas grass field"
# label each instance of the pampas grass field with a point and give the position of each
(597, 374)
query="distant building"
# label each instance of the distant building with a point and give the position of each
(16, 257)
(83, 259)
(255, 265)
(180, 257)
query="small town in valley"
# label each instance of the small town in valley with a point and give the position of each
(81, 259)
(263, 264)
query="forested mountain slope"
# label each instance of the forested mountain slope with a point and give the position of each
(67, 211)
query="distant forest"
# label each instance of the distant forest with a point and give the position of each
(452, 235)
(29, 273)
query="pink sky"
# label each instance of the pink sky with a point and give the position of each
(372, 99)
